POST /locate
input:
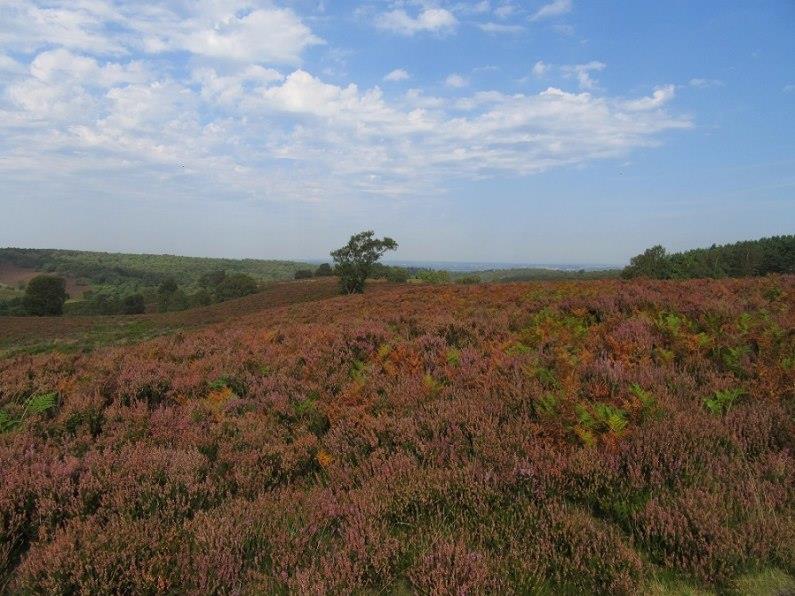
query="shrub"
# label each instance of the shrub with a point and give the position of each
(133, 304)
(397, 275)
(324, 270)
(236, 285)
(469, 279)
(433, 277)
(45, 296)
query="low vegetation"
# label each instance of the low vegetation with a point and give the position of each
(539, 274)
(608, 436)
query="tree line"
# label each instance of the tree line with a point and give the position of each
(740, 259)
(45, 295)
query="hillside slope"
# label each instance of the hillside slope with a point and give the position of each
(84, 331)
(134, 270)
(596, 437)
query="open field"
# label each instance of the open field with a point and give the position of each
(556, 437)
(11, 275)
(82, 332)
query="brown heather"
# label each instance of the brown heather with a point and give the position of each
(523, 438)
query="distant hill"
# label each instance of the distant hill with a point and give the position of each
(538, 274)
(135, 271)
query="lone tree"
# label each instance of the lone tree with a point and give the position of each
(354, 261)
(45, 296)
(167, 294)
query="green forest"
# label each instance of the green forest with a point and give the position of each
(119, 283)
(141, 270)
(740, 259)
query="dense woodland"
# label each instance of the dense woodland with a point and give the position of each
(741, 259)
(139, 270)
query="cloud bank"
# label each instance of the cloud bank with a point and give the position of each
(214, 97)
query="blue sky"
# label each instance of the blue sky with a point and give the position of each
(536, 131)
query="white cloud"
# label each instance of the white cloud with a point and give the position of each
(481, 7)
(705, 83)
(500, 28)
(553, 9)
(88, 113)
(436, 20)
(399, 74)
(505, 10)
(661, 96)
(789, 88)
(230, 30)
(273, 35)
(456, 81)
(415, 98)
(61, 65)
(582, 72)
(540, 69)
(233, 87)
(75, 24)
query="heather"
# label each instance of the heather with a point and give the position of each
(556, 437)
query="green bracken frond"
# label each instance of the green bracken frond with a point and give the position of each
(38, 404)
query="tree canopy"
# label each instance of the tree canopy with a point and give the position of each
(235, 285)
(740, 259)
(354, 261)
(45, 296)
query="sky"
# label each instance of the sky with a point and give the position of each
(549, 131)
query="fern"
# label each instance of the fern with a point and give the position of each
(721, 401)
(610, 418)
(586, 437)
(453, 357)
(358, 371)
(35, 404)
(6, 422)
(645, 398)
(38, 404)
(616, 423)
(733, 358)
(547, 404)
(744, 322)
(584, 417)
